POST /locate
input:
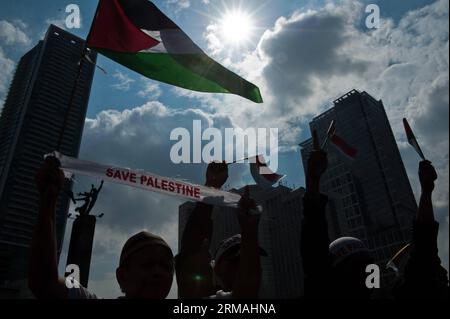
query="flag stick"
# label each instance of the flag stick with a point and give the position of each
(330, 128)
(75, 86)
(419, 151)
(243, 159)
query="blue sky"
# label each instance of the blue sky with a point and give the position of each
(413, 33)
(193, 20)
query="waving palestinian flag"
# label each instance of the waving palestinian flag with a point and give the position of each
(136, 34)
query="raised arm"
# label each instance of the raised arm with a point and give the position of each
(194, 274)
(199, 225)
(314, 235)
(427, 177)
(248, 278)
(43, 277)
(424, 276)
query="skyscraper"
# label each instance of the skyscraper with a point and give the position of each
(30, 125)
(376, 203)
(279, 235)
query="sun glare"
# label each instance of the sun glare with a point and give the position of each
(236, 27)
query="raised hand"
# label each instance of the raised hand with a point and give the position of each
(427, 176)
(50, 178)
(248, 222)
(317, 165)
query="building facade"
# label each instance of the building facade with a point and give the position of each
(375, 201)
(279, 235)
(30, 124)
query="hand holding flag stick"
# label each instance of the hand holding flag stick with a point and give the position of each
(412, 139)
(261, 173)
(242, 159)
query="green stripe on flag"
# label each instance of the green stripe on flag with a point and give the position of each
(189, 71)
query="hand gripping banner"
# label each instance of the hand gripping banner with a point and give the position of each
(148, 181)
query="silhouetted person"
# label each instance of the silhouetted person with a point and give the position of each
(146, 262)
(331, 270)
(237, 270)
(424, 277)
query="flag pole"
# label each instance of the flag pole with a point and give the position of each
(236, 161)
(244, 159)
(77, 80)
(80, 251)
(329, 133)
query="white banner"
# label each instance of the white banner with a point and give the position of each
(148, 181)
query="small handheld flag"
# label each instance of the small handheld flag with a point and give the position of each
(343, 147)
(412, 139)
(262, 174)
(338, 142)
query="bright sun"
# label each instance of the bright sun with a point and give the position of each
(236, 26)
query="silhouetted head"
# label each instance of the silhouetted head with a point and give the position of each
(226, 261)
(350, 257)
(146, 267)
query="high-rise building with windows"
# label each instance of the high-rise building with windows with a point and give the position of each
(30, 124)
(376, 202)
(279, 235)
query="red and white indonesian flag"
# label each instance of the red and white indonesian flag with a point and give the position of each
(343, 147)
(412, 139)
(340, 144)
(147, 181)
(262, 174)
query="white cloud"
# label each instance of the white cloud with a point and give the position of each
(105, 287)
(59, 21)
(123, 81)
(7, 67)
(138, 138)
(14, 32)
(311, 57)
(150, 89)
(180, 4)
(19, 23)
(300, 65)
(215, 43)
